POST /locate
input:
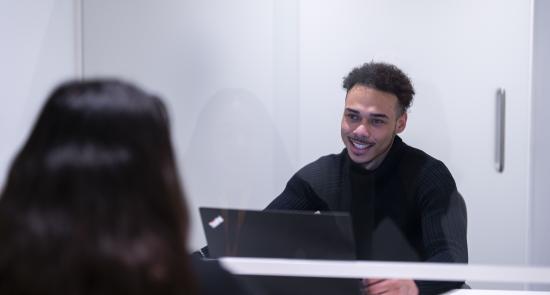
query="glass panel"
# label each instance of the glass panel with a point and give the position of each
(255, 94)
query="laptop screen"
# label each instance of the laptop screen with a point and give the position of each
(278, 234)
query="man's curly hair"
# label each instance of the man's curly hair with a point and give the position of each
(384, 77)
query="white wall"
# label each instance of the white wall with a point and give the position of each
(36, 52)
(540, 203)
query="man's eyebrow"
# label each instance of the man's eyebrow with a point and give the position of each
(379, 115)
(352, 111)
(374, 115)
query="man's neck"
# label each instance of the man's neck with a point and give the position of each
(376, 162)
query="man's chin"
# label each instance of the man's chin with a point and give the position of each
(359, 159)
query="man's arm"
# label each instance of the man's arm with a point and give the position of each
(297, 195)
(389, 287)
(443, 217)
(443, 221)
(443, 227)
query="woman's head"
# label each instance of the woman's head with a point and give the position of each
(94, 195)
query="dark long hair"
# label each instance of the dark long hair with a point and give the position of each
(93, 203)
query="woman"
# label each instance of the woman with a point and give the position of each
(93, 204)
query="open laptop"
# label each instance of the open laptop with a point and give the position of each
(278, 234)
(283, 234)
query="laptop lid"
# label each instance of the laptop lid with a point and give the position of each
(278, 234)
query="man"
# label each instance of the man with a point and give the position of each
(404, 203)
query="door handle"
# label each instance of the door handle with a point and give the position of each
(500, 126)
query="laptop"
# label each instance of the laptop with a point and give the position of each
(283, 234)
(278, 234)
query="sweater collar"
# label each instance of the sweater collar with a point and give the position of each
(386, 162)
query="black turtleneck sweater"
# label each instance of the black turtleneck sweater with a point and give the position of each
(407, 209)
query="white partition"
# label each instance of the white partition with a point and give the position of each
(229, 73)
(254, 89)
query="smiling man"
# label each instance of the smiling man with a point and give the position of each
(404, 203)
(371, 120)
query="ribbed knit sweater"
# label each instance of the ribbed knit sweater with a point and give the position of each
(407, 209)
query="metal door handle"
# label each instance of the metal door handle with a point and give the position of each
(500, 129)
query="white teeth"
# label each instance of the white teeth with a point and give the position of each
(359, 146)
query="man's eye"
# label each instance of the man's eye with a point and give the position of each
(353, 117)
(378, 122)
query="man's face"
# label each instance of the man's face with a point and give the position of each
(370, 122)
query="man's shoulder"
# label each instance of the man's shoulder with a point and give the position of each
(323, 177)
(324, 174)
(325, 165)
(415, 156)
(419, 164)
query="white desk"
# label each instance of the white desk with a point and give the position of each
(494, 292)
(421, 271)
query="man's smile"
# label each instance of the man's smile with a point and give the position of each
(361, 145)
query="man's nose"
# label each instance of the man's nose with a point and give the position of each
(362, 129)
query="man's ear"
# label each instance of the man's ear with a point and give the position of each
(401, 123)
